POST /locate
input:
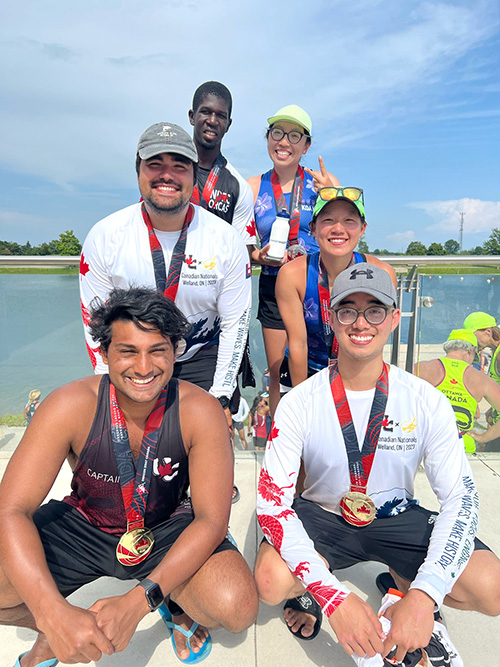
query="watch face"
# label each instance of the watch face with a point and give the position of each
(154, 596)
(224, 401)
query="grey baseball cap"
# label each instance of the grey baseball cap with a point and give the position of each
(166, 138)
(365, 278)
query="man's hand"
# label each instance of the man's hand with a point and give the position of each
(321, 178)
(74, 635)
(357, 627)
(119, 616)
(262, 257)
(412, 621)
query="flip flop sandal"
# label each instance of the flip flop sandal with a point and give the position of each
(193, 658)
(307, 604)
(46, 663)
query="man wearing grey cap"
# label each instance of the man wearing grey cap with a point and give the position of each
(362, 428)
(192, 256)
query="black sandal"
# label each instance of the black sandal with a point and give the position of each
(308, 605)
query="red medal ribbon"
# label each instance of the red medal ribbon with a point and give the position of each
(168, 285)
(360, 462)
(295, 201)
(210, 184)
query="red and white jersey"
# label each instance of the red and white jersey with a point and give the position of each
(419, 425)
(214, 287)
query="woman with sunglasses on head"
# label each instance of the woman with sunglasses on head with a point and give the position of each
(303, 287)
(284, 201)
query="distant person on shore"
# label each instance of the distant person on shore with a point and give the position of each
(303, 286)
(363, 428)
(32, 404)
(239, 421)
(287, 190)
(258, 422)
(134, 448)
(464, 386)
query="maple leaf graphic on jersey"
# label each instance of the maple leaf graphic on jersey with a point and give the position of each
(328, 597)
(269, 490)
(251, 228)
(300, 569)
(84, 267)
(453, 381)
(272, 528)
(85, 314)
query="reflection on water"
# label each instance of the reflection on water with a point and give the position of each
(42, 345)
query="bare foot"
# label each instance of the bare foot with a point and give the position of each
(299, 621)
(40, 652)
(181, 641)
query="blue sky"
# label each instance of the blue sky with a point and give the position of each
(404, 98)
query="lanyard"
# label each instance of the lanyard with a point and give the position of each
(295, 201)
(168, 285)
(210, 184)
(135, 483)
(324, 302)
(360, 462)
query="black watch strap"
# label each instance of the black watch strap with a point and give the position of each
(154, 594)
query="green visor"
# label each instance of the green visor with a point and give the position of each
(352, 195)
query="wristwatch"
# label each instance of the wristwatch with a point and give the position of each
(154, 594)
(224, 401)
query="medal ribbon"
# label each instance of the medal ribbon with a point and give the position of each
(168, 285)
(210, 184)
(135, 483)
(360, 462)
(324, 302)
(295, 201)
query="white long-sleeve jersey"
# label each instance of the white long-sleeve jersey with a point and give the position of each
(214, 287)
(419, 425)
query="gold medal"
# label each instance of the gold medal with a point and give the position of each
(134, 546)
(357, 508)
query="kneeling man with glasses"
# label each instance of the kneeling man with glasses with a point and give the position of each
(362, 428)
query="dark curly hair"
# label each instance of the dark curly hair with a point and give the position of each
(141, 305)
(212, 88)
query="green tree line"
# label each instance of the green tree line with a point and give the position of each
(66, 244)
(451, 247)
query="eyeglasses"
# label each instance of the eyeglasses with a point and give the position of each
(372, 314)
(332, 192)
(294, 136)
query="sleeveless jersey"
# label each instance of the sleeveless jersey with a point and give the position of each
(265, 215)
(96, 491)
(493, 374)
(231, 199)
(464, 405)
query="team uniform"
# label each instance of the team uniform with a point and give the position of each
(428, 549)
(464, 405)
(214, 291)
(265, 215)
(80, 533)
(318, 352)
(231, 199)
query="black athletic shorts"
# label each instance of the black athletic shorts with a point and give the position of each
(77, 552)
(399, 541)
(268, 313)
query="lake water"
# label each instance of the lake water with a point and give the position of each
(42, 345)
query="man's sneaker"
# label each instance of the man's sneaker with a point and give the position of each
(385, 581)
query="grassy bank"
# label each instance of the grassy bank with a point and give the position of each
(65, 270)
(12, 420)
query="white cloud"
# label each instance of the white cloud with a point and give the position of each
(480, 216)
(400, 240)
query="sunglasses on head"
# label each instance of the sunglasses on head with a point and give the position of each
(332, 192)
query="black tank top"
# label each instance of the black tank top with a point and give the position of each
(96, 490)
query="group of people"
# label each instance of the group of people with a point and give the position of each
(165, 299)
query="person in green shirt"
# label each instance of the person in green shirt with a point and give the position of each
(464, 386)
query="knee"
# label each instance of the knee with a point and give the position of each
(238, 607)
(272, 582)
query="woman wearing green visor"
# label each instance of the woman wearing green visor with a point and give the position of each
(303, 286)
